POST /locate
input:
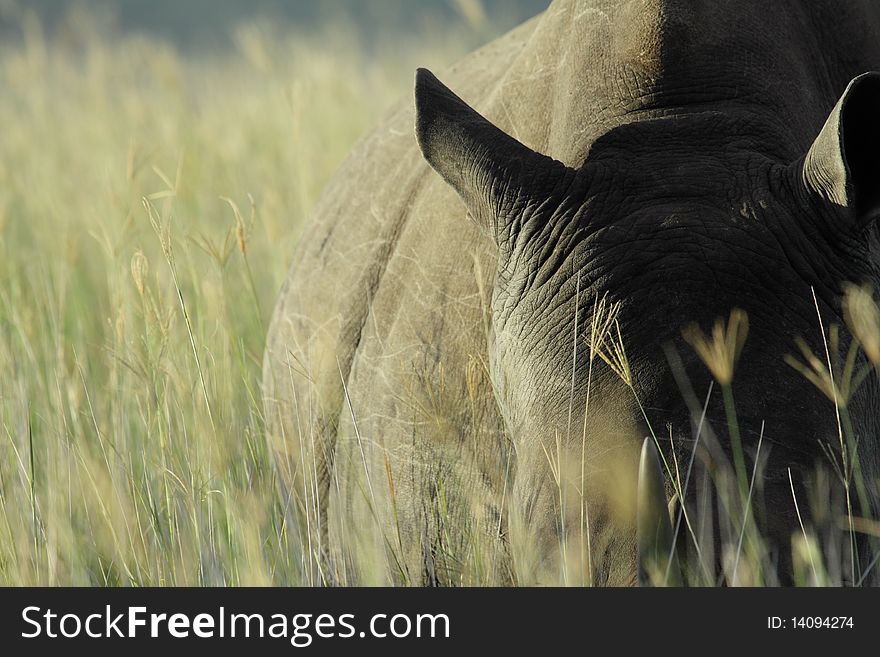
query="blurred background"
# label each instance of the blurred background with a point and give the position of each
(211, 23)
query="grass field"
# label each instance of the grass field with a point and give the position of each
(150, 202)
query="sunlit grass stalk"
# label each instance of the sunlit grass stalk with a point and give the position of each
(32, 485)
(836, 398)
(241, 234)
(165, 240)
(682, 489)
(748, 505)
(803, 529)
(586, 550)
(852, 475)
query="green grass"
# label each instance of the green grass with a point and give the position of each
(150, 203)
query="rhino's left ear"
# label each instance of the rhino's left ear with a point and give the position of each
(494, 174)
(843, 164)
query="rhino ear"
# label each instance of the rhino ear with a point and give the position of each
(493, 173)
(843, 164)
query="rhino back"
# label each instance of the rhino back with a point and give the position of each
(388, 277)
(376, 373)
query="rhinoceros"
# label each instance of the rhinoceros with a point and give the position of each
(630, 219)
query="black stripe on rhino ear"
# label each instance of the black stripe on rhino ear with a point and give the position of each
(494, 174)
(843, 165)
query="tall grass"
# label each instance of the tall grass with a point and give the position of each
(149, 206)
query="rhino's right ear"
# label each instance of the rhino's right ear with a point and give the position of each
(494, 174)
(843, 165)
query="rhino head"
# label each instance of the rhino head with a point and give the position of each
(612, 270)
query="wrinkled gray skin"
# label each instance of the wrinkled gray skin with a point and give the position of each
(425, 380)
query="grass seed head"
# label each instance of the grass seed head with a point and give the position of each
(140, 268)
(605, 339)
(863, 319)
(720, 351)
